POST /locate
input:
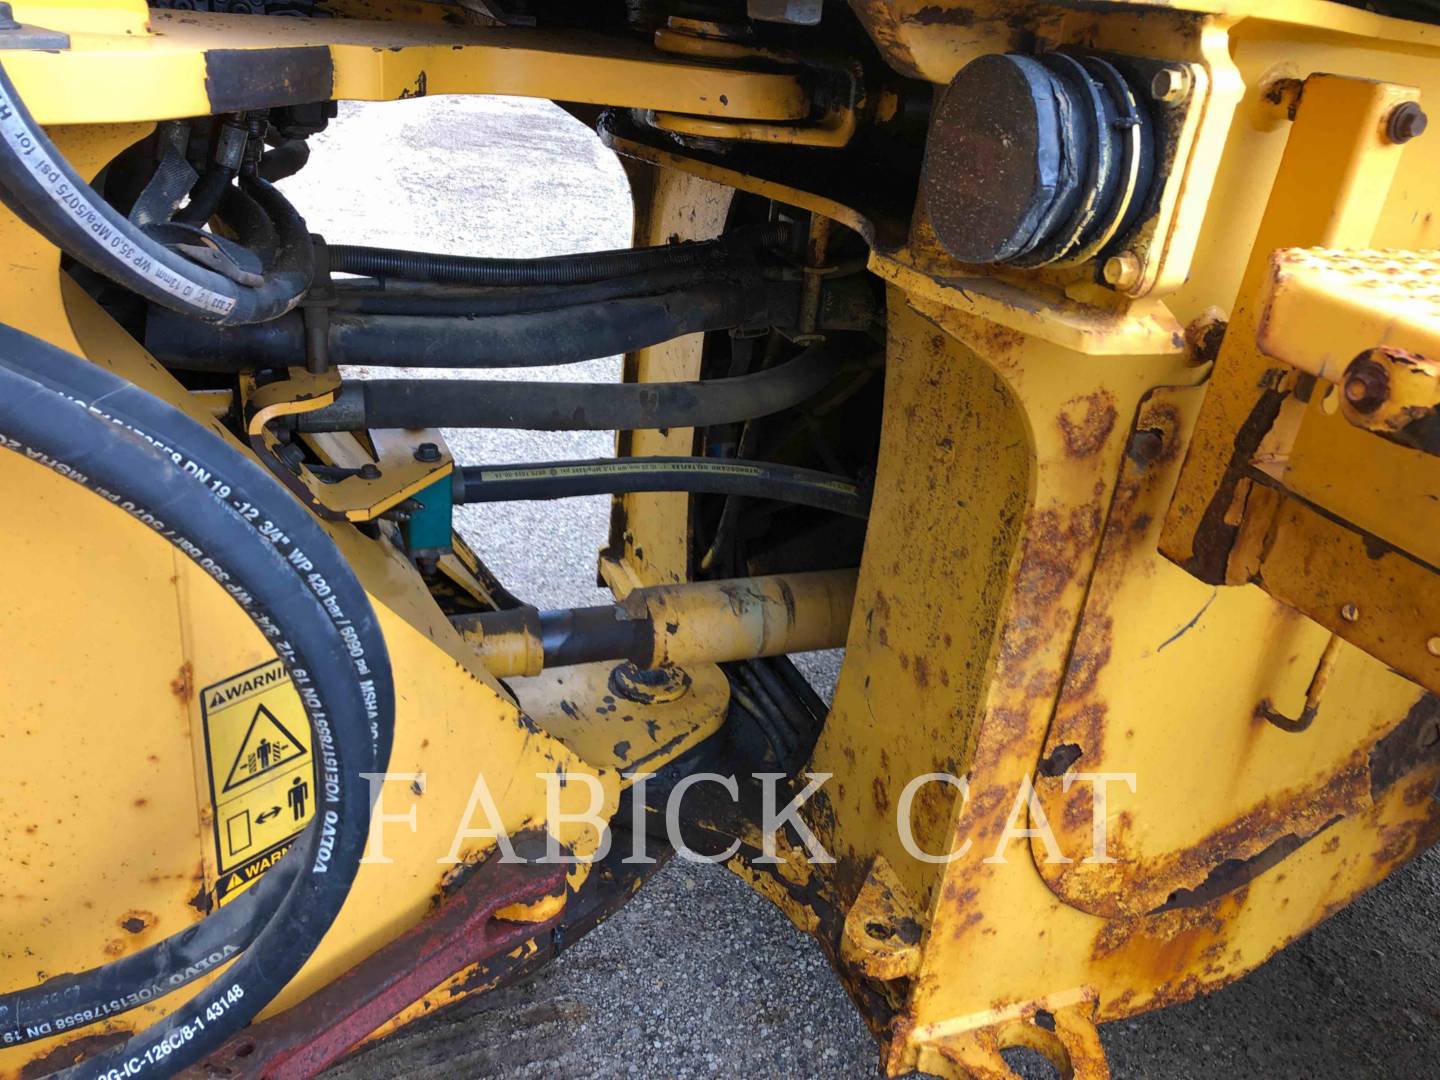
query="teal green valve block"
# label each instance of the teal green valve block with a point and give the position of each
(427, 533)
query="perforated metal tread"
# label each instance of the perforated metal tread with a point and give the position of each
(1323, 307)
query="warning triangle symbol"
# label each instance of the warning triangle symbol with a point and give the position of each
(234, 882)
(267, 745)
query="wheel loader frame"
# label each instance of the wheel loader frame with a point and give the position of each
(1139, 668)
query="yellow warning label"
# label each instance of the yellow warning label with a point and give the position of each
(260, 771)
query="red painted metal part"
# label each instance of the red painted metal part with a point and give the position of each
(301, 1042)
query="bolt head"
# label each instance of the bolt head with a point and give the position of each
(1405, 122)
(1170, 84)
(369, 472)
(427, 452)
(1366, 384)
(1349, 612)
(1432, 646)
(1122, 271)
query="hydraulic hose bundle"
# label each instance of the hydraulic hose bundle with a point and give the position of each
(556, 270)
(564, 335)
(231, 517)
(44, 191)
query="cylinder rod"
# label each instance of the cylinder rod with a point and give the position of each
(673, 625)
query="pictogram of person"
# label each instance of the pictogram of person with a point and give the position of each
(299, 795)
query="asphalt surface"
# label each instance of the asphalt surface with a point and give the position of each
(698, 976)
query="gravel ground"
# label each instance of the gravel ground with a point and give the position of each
(698, 976)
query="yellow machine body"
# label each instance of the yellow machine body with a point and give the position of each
(1097, 545)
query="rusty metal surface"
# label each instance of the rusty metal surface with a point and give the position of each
(991, 159)
(881, 935)
(1330, 191)
(1145, 631)
(584, 708)
(463, 931)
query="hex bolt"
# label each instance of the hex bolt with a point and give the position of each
(1364, 390)
(1146, 446)
(1349, 612)
(1170, 84)
(1406, 121)
(427, 452)
(369, 472)
(1122, 271)
(1366, 384)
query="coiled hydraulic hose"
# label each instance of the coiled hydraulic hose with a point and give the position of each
(229, 516)
(615, 476)
(559, 406)
(556, 270)
(41, 187)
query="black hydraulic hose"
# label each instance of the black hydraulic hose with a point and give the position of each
(287, 158)
(535, 339)
(558, 406)
(615, 476)
(40, 186)
(206, 195)
(555, 270)
(446, 300)
(232, 518)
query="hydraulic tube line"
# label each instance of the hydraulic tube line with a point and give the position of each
(672, 625)
(616, 476)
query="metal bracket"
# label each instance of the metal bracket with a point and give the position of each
(1068, 1038)
(882, 931)
(470, 926)
(14, 35)
(839, 97)
(352, 485)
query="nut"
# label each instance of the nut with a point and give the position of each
(1170, 84)
(427, 452)
(1366, 384)
(1406, 121)
(1122, 271)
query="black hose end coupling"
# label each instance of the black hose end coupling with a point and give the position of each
(1037, 160)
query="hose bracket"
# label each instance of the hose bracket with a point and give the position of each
(335, 473)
